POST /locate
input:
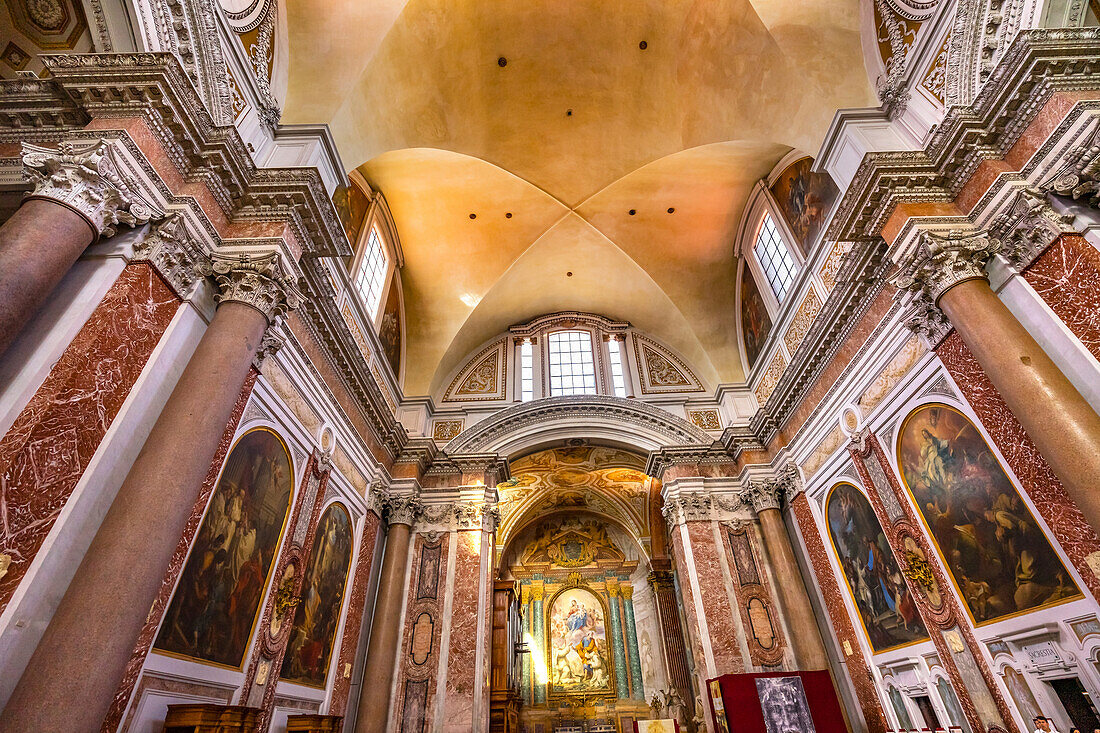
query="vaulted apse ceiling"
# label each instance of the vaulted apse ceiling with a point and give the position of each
(578, 127)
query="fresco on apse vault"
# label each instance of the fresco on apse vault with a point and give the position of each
(578, 654)
(886, 608)
(216, 602)
(309, 651)
(995, 551)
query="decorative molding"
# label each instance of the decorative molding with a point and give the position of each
(705, 419)
(803, 319)
(1028, 226)
(1079, 177)
(171, 249)
(86, 179)
(446, 430)
(662, 371)
(940, 387)
(483, 378)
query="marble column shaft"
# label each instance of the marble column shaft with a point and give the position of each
(809, 650)
(540, 641)
(622, 683)
(1062, 424)
(93, 631)
(638, 689)
(385, 633)
(672, 635)
(525, 594)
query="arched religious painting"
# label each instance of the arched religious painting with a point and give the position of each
(756, 324)
(309, 651)
(886, 608)
(996, 553)
(218, 597)
(578, 656)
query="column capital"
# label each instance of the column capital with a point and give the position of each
(938, 264)
(1028, 226)
(402, 509)
(763, 494)
(659, 579)
(169, 247)
(1079, 177)
(258, 280)
(376, 498)
(628, 591)
(86, 178)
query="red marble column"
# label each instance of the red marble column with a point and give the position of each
(859, 671)
(175, 566)
(107, 604)
(357, 603)
(44, 455)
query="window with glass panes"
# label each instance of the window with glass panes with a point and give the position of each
(527, 371)
(572, 368)
(372, 268)
(617, 378)
(775, 258)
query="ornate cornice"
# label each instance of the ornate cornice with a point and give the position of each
(492, 467)
(660, 460)
(258, 281)
(938, 263)
(86, 179)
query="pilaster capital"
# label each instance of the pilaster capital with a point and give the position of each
(170, 248)
(687, 507)
(660, 579)
(1028, 226)
(402, 509)
(1079, 176)
(376, 498)
(925, 319)
(260, 281)
(86, 178)
(938, 264)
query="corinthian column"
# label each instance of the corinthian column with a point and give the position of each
(766, 497)
(79, 196)
(947, 277)
(105, 606)
(385, 629)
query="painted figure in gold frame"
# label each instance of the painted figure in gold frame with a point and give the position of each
(576, 642)
(996, 553)
(218, 597)
(309, 651)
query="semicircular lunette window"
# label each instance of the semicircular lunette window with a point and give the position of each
(997, 555)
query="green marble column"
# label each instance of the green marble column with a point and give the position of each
(540, 641)
(525, 624)
(622, 684)
(637, 689)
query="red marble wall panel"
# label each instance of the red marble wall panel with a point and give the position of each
(1067, 277)
(50, 444)
(149, 631)
(356, 606)
(859, 671)
(725, 631)
(687, 601)
(462, 656)
(1052, 503)
(423, 576)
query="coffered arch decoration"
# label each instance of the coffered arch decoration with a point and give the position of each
(599, 418)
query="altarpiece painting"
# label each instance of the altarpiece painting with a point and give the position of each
(218, 596)
(886, 608)
(309, 651)
(998, 557)
(579, 658)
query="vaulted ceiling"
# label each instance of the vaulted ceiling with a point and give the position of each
(462, 113)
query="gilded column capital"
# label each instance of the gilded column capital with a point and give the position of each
(260, 281)
(628, 591)
(402, 510)
(938, 263)
(86, 179)
(660, 579)
(537, 592)
(613, 590)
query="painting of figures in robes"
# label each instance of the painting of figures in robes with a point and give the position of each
(309, 651)
(577, 641)
(886, 607)
(755, 321)
(218, 597)
(805, 199)
(997, 555)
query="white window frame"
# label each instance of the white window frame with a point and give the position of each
(780, 240)
(598, 383)
(624, 366)
(365, 251)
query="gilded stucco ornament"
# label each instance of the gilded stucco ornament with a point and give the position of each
(86, 178)
(403, 509)
(258, 281)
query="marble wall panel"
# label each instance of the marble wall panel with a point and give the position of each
(462, 656)
(689, 608)
(859, 672)
(52, 441)
(418, 663)
(722, 622)
(354, 622)
(1067, 277)
(1037, 480)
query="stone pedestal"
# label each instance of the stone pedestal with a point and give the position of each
(211, 719)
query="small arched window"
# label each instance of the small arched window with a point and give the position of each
(775, 258)
(370, 276)
(572, 366)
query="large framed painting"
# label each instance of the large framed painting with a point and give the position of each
(390, 329)
(309, 651)
(805, 199)
(216, 602)
(577, 651)
(886, 608)
(998, 557)
(755, 321)
(351, 205)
